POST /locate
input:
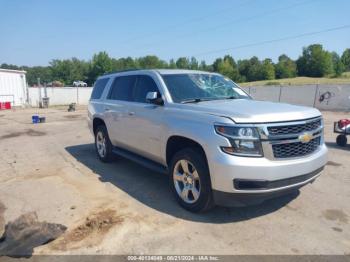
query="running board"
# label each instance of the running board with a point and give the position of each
(140, 160)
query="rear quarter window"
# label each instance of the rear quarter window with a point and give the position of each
(98, 88)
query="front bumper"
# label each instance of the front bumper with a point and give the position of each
(225, 169)
(246, 199)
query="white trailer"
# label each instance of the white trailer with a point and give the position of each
(13, 87)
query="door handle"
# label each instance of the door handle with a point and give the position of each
(107, 109)
(130, 113)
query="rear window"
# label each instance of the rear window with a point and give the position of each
(122, 88)
(98, 88)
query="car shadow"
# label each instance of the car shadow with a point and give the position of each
(152, 189)
(335, 146)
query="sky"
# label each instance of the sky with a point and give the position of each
(33, 32)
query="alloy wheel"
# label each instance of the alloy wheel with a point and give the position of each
(186, 181)
(101, 144)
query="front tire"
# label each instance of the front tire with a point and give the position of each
(342, 140)
(103, 145)
(190, 180)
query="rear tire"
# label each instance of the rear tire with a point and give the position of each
(342, 140)
(103, 145)
(189, 180)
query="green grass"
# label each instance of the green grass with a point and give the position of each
(343, 79)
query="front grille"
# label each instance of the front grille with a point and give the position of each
(297, 149)
(294, 129)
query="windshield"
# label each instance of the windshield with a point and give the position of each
(202, 87)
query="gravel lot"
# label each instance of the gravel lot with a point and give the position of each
(52, 169)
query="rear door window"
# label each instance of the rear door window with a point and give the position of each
(143, 85)
(98, 88)
(122, 88)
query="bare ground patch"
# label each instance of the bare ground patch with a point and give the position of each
(2, 220)
(28, 132)
(31, 132)
(91, 230)
(332, 163)
(73, 116)
(335, 215)
(14, 134)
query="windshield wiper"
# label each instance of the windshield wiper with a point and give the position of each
(195, 100)
(231, 97)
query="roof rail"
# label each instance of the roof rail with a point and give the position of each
(121, 71)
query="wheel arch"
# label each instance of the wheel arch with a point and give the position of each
(176, 143)
(96, 123)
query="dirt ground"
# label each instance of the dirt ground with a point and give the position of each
(123, 208)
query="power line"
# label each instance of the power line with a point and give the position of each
(191, 20)
(244, 19)
(273, 40)
(235, 21)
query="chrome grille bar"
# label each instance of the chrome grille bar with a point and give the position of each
(282, 140)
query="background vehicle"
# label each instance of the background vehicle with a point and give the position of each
(342, 127)
(55, 84)
(217, 144)
(79, 84)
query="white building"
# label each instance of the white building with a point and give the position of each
(13, 87)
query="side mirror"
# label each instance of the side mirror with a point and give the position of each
(154, 98)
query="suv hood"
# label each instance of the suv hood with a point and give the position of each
(251, 111)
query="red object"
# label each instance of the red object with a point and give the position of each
(343, 123)
(5, 105)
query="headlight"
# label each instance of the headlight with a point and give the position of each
(245, 141)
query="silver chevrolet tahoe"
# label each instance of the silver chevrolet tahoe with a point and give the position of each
(215, 142)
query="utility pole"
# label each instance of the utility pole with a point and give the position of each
(39, 88)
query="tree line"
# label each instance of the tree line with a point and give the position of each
(314, 61)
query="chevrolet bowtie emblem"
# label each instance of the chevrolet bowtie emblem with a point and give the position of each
(305, 138)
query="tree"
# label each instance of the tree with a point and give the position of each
(193, 63)
(268, 69)
(315, 62)
(183, 63)
(69, 70)
(9, 66)
(338, 66)
(79, 70)
(216, 64)
(172, 64)
(286, 67)
(149, 62)
(227, 67)
(243, 69)
(345, 58)
(60, 70)
(42, 72)
(101, 63)
(255, 71)
(203, 66)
